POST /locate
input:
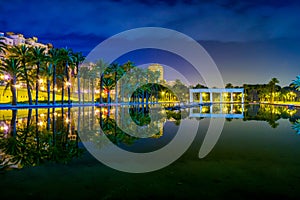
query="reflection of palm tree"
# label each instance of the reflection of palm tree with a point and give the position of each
(13, 123)
(30, 148)
(296, 126)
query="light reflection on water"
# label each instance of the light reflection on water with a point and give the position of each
(31, 137)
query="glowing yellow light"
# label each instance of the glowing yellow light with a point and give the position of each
(41, 81)
(204, 110)
(67, 120)
(42, 115)
(42, 88)
(17, 86)
(40, 123)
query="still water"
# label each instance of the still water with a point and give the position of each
(256, 155)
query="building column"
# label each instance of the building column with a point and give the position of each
(211, 109)
(231, 97)
(201, 97)
(191, 97)
(242, 97)
(221, 97)
(211, 97)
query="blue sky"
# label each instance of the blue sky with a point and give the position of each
(250, 41)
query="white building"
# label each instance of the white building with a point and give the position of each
(13, 39)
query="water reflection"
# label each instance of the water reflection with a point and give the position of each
(29, 140)
(30, 137)
(218, 111)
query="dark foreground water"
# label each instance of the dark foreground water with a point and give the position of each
(255, 157)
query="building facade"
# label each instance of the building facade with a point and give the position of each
(157, 68)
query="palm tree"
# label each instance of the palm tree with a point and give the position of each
(2, 45)
(38, 56)
(54, 59)
(22, 53)
(229, 85)
(67, 61)
(117, 70)
(272, 84)
(92, 75)
(108, 84)
(296, 83)
(78, 58)
(84, 70)
(101, 66)
(46, 71)
(12, 67)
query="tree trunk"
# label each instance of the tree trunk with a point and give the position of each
(116, 89)
(37, 84)
(78, 85)
(13, 91)
(28, 86)
(89, 88)
(68, 80)
(93, 90)
(48, 119)
(83, 86)
(101, 88)
(54, 84)
(13, 123)
(53, 127)
(48, 91)
(62, 92)
(108, 96)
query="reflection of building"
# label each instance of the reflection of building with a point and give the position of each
(157, 68)
(218, 111)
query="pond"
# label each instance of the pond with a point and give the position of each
(45, 152)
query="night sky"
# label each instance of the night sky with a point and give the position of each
(250, 41)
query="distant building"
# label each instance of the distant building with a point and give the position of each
(13, 39)
(157, 68)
